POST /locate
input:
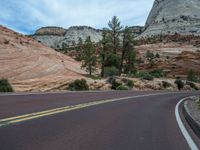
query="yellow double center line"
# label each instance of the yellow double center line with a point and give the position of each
(21, 118)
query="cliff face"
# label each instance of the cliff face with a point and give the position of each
(51, 31)
(55, 37)
(73, 35)
(170, 16)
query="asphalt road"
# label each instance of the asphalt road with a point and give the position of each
(137, 123)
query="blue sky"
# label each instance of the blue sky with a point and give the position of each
(26, 16)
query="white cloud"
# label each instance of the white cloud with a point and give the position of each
(28, 15)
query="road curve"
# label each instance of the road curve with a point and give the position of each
(135, 123)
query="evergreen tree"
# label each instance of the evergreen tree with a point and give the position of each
(80, 41)
(128, 53)
(89, 56)
(79, 48)
(192, 76)
(104, 50)
(80, 44)
(115, 29)
(150, 57)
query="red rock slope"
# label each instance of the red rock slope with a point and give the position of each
(31, 66)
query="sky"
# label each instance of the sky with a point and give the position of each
(26, 16)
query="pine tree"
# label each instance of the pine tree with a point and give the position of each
(80, 44)
(150, 57)
(115, 29)
(128, 53)
(104, 50)
(79, 49)
(80, 41)
(89, 56)
(192, 76)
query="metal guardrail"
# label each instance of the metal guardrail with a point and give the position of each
(193, 124)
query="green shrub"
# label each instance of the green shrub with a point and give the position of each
(158, 73)
(192, 85)
(122, 88)
(150, 57)
(114, 83)
(148, 77)
(128, 82)
(5, 86)
(78, 58)
(192, 76)
(198, 103)
(157, 55)
(78, 85)
(166, 84)
(113, 60)
(111, 71)
(145, 76)
(179, 84)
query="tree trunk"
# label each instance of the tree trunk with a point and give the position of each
(102, 66)
(121, 65)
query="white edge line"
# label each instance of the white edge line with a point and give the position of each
(184, 131)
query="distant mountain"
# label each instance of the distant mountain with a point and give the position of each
(55, 37)
(173, 16)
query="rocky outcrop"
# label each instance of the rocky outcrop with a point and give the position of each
(31, 66)
(176, 59)
(75, 33)
(51, 31)
(55, 37)
(173, 16)
(137, 30)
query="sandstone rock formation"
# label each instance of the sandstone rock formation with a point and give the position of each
(177, 59)
(136, 30)
(55, 37)
(173, 16)
(30, 66)
(51, 31)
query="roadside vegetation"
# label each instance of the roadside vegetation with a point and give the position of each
(197, 100)
(144, 76)
(166, 84)
(192, 85)
(122, 88)
(180, 84)
(192, 76)
(5, 86)
(115, 57)
(157, 73)
(78, 85)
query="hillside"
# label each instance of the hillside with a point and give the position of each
(176, 59)
(30, 66)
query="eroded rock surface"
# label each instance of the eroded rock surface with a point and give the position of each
(173, 16)
(30, 66)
